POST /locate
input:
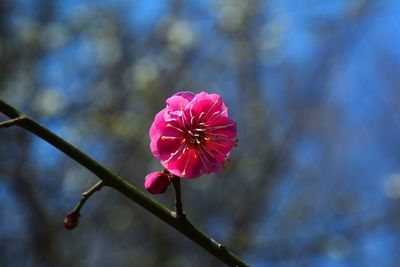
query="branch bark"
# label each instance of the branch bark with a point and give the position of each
(176, 182)
(87, 194)
(121, 185)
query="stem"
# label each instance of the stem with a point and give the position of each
(12, 122)
(125, 188)
(176, 181)
(86, 195)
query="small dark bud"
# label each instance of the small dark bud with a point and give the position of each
(71, 221)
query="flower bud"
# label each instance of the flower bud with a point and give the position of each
(156, 182)
(71, 221)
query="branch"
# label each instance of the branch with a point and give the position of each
(178, 199)
(125, 188)
(72, 219)
(86, 195)
(12, 122)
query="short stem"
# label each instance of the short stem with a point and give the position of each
(86, 195)
(178, 199)
(12, 122)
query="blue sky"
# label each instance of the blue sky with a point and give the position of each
(297, 35)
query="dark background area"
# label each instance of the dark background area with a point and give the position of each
(313, 85)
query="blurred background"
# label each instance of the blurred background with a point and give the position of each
(313, 85)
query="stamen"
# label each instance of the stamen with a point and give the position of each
(202, 159)
(218, 135)
(184, 120)
(209, 153)
(176, 128)
(172, 119)
(217, 150)
(220, 126)
(216, 117)
(201, 114)
(218, 144)
(215, 113)
(183, 152)
(186, 164)
(192, 119)
(224, 139)
(221, 137)
(191, 110)
(169, 137)
(172, 155)
(177, 118)
(215, 102)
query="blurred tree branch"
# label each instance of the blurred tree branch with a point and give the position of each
(123, 186)
(72, 218)
(12, 122)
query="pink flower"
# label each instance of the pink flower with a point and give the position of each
(157, 182)
(193, 135)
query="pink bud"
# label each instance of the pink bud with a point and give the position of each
(156, 182)
(71, 221)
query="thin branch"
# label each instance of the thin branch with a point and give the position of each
(127, 189)
(86, 195)
(11, 122)
(178, 199)
(72, 219)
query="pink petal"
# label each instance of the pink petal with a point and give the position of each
(215, 154)
(186, 94)
(179, 100)
(175, 106)
(162, 148)
(172, 165)
(190, 165)
(156, 182)
(158, 123)
(160, 126)
(207, 106)
(167, 147)
(164, 140)
(153, 144)
(187, 165)
(220, 150)
(222, 129)
(212, 163)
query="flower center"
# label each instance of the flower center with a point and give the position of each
(196, 137)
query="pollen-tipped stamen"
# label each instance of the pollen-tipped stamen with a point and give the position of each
(174, 127)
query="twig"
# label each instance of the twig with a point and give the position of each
(127, 189)
(176, 181)
(12, 122)
(86, 195)
(72, 219)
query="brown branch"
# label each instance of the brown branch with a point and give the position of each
(124, 187)
(176, 181)
(11, 122)
(86, 195)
